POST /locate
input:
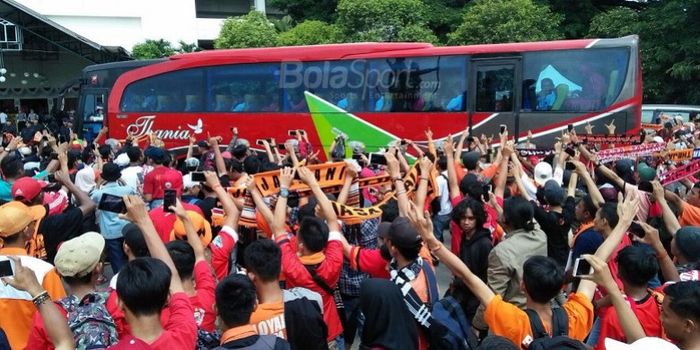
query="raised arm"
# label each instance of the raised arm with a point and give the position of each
(502, 175)
(670, 220)
(350, 176)
(231, 211)
(460, 143)
(234, 139)
(590, 184)
(137, 213)
(277, 225)
(192, 237)
(190, 147)
(268, 151)
(87, 206)
(260, 204)
(668, 268)
(452, 181)
(425, 227)
(218, 158)
(326, 208)
(431, 144)
(395, 174)
(426, 166)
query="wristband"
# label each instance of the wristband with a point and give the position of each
(397, 178)
(400, 192)
(424, 178)
(40, 298)
(284, 192)
(434, 250)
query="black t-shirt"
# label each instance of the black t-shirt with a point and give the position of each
(556, 226)
(60, 228)
(207, 204)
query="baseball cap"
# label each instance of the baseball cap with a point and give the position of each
(641, 344)
(543, 173)
(400, 232)
(111, 172)
(191, 162)
(15, 216)
(26, 189)
(471, 159)
(646, 173)
(77, 257)
(688, 242)
(200, 224)
(553, 192)
(122, 160)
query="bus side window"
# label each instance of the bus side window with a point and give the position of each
(178, 91)
(243, 88)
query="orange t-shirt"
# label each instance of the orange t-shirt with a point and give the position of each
(690, 215)
(268, 318)
(507, 320)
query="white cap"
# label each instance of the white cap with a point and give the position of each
(122, 160)
(658, 139)
(543, 173)
(641, 344)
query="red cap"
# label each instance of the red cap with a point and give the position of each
(26, 189)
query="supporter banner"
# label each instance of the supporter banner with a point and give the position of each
(680, 155)
(680, 173)
(327, 175)
(633, 151)
(351, 215)
(656, 127)
(597, 138)
(537, 152)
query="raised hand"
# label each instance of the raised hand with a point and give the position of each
(588, 128)
(611, 127)
(287, 175)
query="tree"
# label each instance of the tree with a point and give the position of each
(301, 10)
(311, 32)
(617, 22)
(150, 49)
(251, 30)
(669, 41)
(185, 47)
(501, 21)
(383, 20)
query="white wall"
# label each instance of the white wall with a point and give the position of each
(127, 22)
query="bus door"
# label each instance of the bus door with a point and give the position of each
(91, 112)
(493, 95)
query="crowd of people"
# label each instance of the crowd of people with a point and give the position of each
(122, 244)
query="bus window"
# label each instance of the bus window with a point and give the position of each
(494, 88)
(178, 91)
(573, 80)
(417, 84)
(243, 88)
(338, 82)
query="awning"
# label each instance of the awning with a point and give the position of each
(38, 30)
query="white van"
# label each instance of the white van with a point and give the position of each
(650, 113)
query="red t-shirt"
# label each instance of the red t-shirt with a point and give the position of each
(165, 221)
(221, 247)
(179, 333)
(203, 301)
(161, 178)
(648, 313)
(119, 318)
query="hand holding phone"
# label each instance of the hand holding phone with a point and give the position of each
(198, 176)
(112, 204)
(637, 229)
(503, 129)
(169, 200)
(7, 267)
(377, 158)
(582, 268)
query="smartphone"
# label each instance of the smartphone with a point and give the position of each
(169, 200)
(637, 229)
(261, 143)
(357, 157)
(281, 147)
(582, 268)
(292, 132)
(503, 128)
(646, 187)
(112, 204)
(470, 139)
(7, 268)
(198, 176)
(403, 142)
(377, 158)
(51, 178)
(570, 152)
(570, 127)
(570, 166)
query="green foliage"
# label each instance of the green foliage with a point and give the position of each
(150, 49)
(251, 30)
(311, 32)
(185, 47)
(501, 21)
(614, 23)
(669, 40)
(383, 20)
(283, 24)
(300, 10)
(443, 17)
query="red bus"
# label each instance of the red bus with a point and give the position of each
(379, 92)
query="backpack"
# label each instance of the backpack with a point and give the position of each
(263, 342)
(89, 321)
(207, 340)
(4, 342)
(560, 332)
(303, 319)
(449, 328)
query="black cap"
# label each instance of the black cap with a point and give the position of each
(111, 172)
(553, 193)
(471, 160)
(400, 232)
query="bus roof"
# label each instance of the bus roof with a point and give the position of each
(122, 64)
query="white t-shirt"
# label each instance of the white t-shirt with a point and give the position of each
(445, 204)
(3, 117)
(133, 176)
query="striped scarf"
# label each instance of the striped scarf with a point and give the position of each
(402, 278)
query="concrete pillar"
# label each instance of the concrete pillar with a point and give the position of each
(259, 5)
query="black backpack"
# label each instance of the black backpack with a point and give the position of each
(560, 332)
(303, 319)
